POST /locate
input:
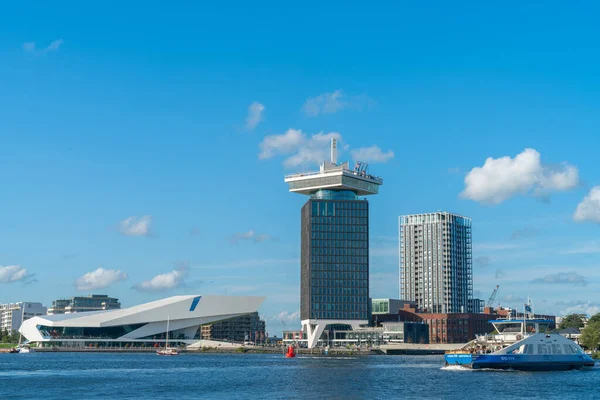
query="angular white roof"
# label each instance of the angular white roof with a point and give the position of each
(182, 311)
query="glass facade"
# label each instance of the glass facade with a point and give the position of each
(335, 257)
(380, 306)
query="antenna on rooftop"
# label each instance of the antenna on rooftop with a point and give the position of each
(333, 151)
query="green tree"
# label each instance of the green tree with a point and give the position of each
(590, 336)
(571, 321)
(594, 318)
(4, 337)
(14, 337)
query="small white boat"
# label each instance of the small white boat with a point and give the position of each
(25, 350)
(168, 351)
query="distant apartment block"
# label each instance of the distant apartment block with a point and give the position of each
(94, 302)
(247, 327)
(12, 315)
(436, 268)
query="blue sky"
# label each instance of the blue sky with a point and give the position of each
(151, 141)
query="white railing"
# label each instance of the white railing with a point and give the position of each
(348, 171)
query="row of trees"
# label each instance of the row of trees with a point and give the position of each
(9, 337)
(590, 335)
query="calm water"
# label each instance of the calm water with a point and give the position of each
(62, 376)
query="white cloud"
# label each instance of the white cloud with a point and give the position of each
(31, 48)
(285, 317)
(585, 248)
(285, 143)
(14, 273)
(501, 178)
(249, 235)
(332, 102)
(288, 317)
(298, 148)
(372, 154)
(579, 307)
(255, 115)
(326, 103)
(162, 282)
(99, 278)
(570, 278)
(136, 226)
(589, 208)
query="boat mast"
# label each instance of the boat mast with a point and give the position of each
(22, 318)
(167, 342)
(524, 319)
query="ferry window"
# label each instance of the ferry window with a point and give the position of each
(567, 349)
(542, 349)
(556, 349)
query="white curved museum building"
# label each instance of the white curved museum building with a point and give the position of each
(139, 326)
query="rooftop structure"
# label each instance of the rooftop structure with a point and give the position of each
(92, 302)
(334, 260)
(142, 325)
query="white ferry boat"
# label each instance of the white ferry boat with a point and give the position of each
(520, 344)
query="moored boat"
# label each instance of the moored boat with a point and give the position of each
(168, 351)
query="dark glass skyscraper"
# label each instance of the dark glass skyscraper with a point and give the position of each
(335, 258)
(334, 245)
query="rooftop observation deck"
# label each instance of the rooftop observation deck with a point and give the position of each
(334, 177)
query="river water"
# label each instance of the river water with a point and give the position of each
(50, 376)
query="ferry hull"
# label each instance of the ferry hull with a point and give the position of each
(532, 362)
(458, 359)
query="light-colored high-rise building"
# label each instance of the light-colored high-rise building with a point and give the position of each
(12, 315)
(436, 269)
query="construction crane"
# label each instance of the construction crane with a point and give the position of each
(492, 297)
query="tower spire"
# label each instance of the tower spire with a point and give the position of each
(333, 151)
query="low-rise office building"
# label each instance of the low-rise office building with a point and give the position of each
(93, 302)
(244, 328)
(387, 332)
(12, 315)
(389, 306)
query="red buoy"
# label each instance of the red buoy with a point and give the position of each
(290, 352)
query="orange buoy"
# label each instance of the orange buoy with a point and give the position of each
(290, 352)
